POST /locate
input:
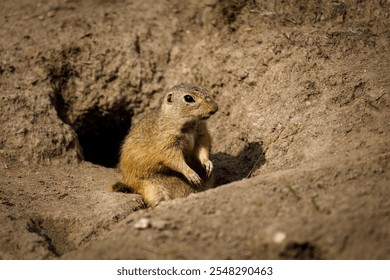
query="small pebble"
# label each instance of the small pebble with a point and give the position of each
(142, 223)
(279, 237)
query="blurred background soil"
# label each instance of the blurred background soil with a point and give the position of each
(301, 142)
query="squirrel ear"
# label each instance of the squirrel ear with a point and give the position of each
(169, 98)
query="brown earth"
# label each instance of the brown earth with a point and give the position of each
(301, 140)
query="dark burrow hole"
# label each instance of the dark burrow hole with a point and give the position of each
(100, 131)
(101, 134)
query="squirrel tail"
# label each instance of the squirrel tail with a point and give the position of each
(121, 187)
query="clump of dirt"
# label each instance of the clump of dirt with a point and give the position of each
(301, 140)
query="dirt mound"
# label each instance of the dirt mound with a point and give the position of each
(301, 138)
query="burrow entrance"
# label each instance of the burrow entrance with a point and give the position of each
(100, 129)
(101, 134)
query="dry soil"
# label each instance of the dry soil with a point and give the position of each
(301, 142)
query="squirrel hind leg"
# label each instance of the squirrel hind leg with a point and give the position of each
(153, 194)
(165, 188)
(121, 187)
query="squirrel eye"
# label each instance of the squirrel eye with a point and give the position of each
(189, 99)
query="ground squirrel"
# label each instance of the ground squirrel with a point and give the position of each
(166, 154)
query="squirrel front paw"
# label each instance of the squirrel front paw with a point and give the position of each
(208, 166)
(194, 178)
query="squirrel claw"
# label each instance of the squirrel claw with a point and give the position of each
(194, 179)
(208, 166)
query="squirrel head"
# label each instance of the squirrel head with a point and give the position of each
(189, 102)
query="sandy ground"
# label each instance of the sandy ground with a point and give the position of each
(301, 142)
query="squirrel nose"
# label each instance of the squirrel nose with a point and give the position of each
(214, 108)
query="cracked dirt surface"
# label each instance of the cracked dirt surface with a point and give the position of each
(301, 140)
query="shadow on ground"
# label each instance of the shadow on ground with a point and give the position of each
(229, 168)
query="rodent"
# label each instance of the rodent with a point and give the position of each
(166, 154)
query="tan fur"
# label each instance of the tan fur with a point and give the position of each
(166, 155)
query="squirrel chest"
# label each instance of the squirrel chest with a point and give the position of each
(188, 143)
